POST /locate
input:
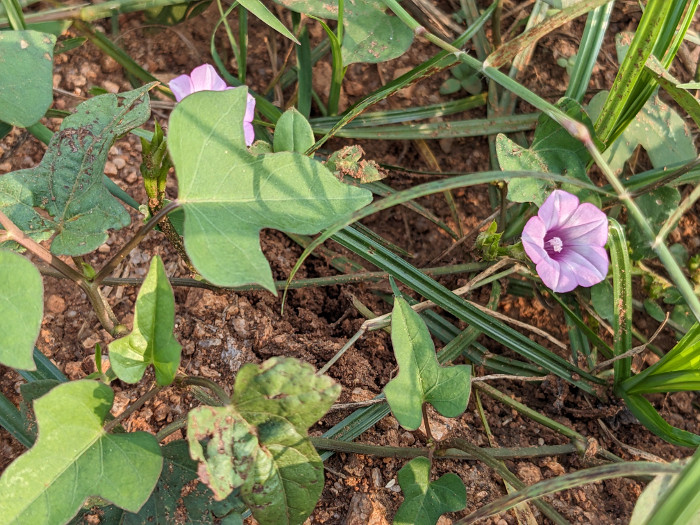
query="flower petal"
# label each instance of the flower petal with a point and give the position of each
(249, 133)
(556, 276)
(590, 263)
(181, 87)
(533, 239)
(586, 226)
(249, 109)
(557, 209)
(205, 78)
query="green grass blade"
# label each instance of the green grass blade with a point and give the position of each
(601, 345)
(15, 17)
(632, 87)
(444, 298)
(439, 130)
(396, 116)
(650, 418)
(439, 62)
(591, 41)
(45, 369)
(304, 68)
(12, 421)
(683, 358)
(622, 293)
(263, 13)
(569, 481)
(684, 99)
(682, 500)
(383, 190)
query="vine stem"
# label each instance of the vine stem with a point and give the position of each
(444, 451)
(126, 249)
(219, 392)
(99, 304)
(133, 407)
(13, 233)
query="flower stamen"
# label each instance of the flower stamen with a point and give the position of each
(555, 243)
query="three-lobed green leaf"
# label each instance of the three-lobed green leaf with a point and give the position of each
(229, 195)
(21, 310)
(421, 379)
(26, 76)
(259, 443)
(74, 458)
(425, 501)
(68, 183)
(152, 340)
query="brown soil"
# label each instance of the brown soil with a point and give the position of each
(221, 331)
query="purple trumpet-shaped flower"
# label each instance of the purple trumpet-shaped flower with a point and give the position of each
(566, 241)
(205, 78)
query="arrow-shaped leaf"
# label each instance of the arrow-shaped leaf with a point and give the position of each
(152, 340)
(424, 502)
(421, 379)
(74, 458)
(68, 181)
(21, 310)
(229, 195)
(260, 443)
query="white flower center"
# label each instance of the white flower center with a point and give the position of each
(556, 244)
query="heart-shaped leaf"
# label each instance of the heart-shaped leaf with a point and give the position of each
(553, 150)
(371, 34)
(74, 458)
(421, 379)
(21, 310)
(259, 443)
(152, 340)
(26, 76)
(68, 181)
(424, 502)
(229, 195)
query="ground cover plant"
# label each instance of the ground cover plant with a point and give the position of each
(246, 195)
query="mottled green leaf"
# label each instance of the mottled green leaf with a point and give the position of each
(293, 132)
(553, 150)
(26, 76)
(421, 379)
(152, 340)
(21, 310)
(286, 480)
(284, 387)
(74, 458)
(259, 443)
(424, 502)
(229, 195)
(230, 447)
(68, 183)
(657, 206)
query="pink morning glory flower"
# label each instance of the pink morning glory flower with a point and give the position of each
(205, 78)
(566, 241)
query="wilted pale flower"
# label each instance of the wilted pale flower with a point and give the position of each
(205, 78)
(566, 241)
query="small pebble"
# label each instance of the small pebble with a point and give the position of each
(104, 248)
(110, 168)
(119, 162)
(110, 86)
